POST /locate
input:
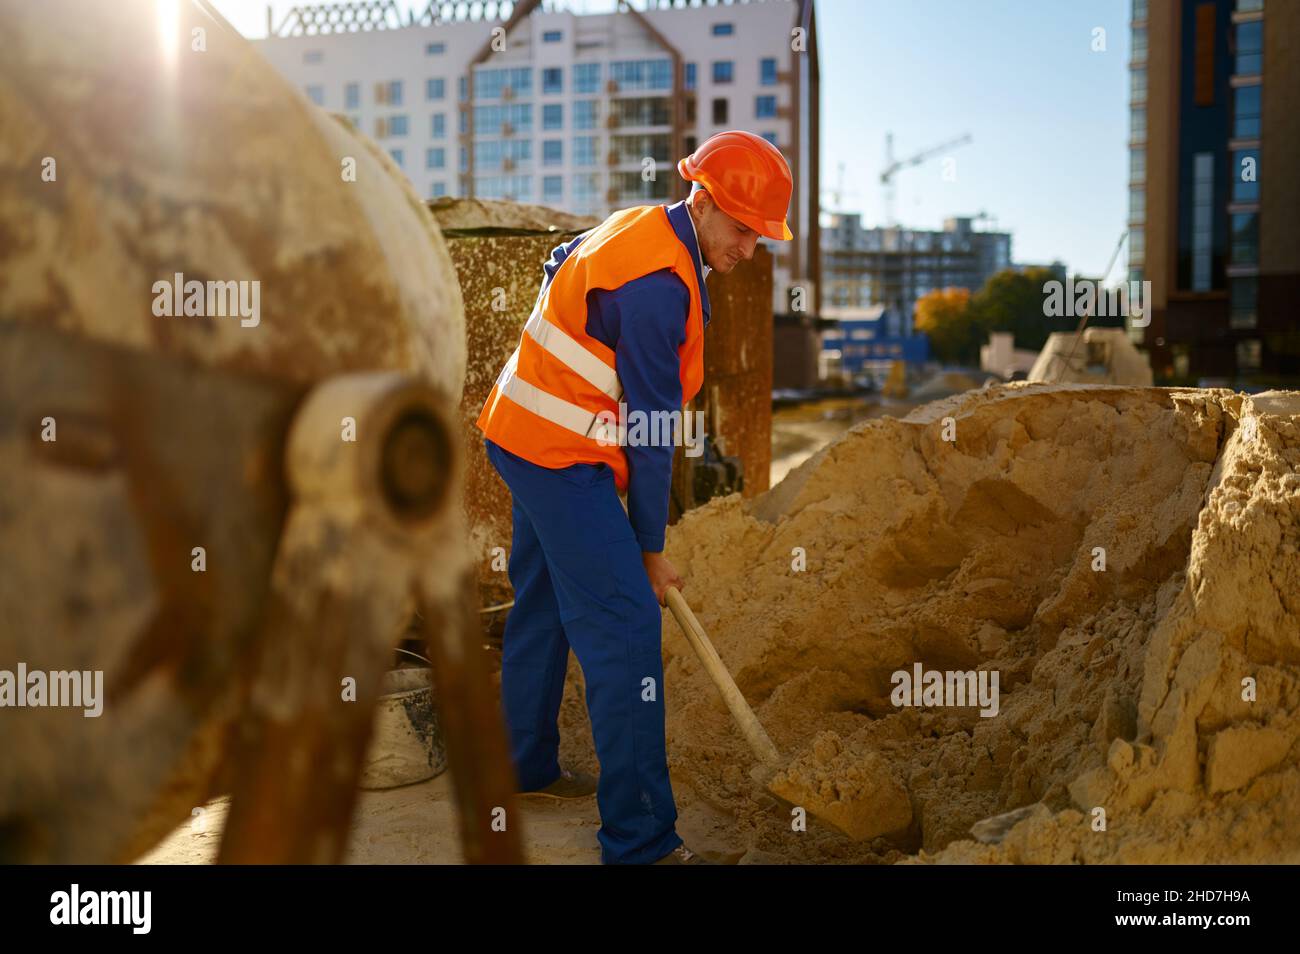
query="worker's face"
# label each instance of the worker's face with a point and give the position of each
(723, 240)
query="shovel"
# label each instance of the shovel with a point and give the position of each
(859, 820)
(759, 741)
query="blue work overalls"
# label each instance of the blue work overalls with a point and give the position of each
(579, 582)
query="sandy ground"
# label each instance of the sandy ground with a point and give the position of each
(415, 824)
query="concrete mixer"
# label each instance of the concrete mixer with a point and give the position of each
(231, 345)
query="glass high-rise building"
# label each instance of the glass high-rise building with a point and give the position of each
(1214, 187)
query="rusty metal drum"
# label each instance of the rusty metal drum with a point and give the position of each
(189, 250)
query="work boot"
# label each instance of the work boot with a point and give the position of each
(681, 855)
(568, 785)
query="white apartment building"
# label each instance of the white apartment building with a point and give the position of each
(583, 112)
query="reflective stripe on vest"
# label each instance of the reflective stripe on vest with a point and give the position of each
(557, 410)
(578, 359)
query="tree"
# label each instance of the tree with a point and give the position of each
(944, 316)
(1013, 301)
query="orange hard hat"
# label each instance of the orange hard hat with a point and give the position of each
(748, 178)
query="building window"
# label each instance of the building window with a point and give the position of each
(689, 79)
(767, 71)
(464, 159)
(435, 89)
(1202, 220)
(586, 77)
(1137, 205)
(1139, 44)
(765, 107)
(1246, 112)
(1249, 355)
(316, 94)
(352, 96)
(552, 152)
(1249, 6)
(490, 120)
(1137, 165)
(584, 186)
(1137, 89)
(723, 29)
(584, 150)
(492, 84)
(313, 56)
(719, 112)
(1138, 124)
(389, 93)
(1250, 48)
(770, 137)
(553, 116)
(502, 153)
(552, 36)
(386, 126)
(642, 74)
(553, 79)
(1243, 297)
(1139, 10)
(435, 49)
(584, 114)
(438, 190)
(435, 158)
(1245, 238)
(552, 189)
(1245, 175)
(397, 156)
(463, 125)
(462, 88)
(439, 126)
(691, 142)
(723, 71)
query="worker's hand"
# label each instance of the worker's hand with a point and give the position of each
(662, 575)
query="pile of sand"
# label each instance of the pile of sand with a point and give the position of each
(1162, 690)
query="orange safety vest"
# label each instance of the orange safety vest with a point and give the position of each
(547, 403)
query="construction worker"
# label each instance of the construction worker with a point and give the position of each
(618, 327)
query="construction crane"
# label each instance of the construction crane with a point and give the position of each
(894, 166)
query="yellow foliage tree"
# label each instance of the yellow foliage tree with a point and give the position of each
(945, 317)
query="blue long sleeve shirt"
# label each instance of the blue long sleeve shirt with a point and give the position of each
(644, 323)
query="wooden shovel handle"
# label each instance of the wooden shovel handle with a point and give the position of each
(750, 727)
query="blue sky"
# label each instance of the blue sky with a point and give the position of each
(1048, 115)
